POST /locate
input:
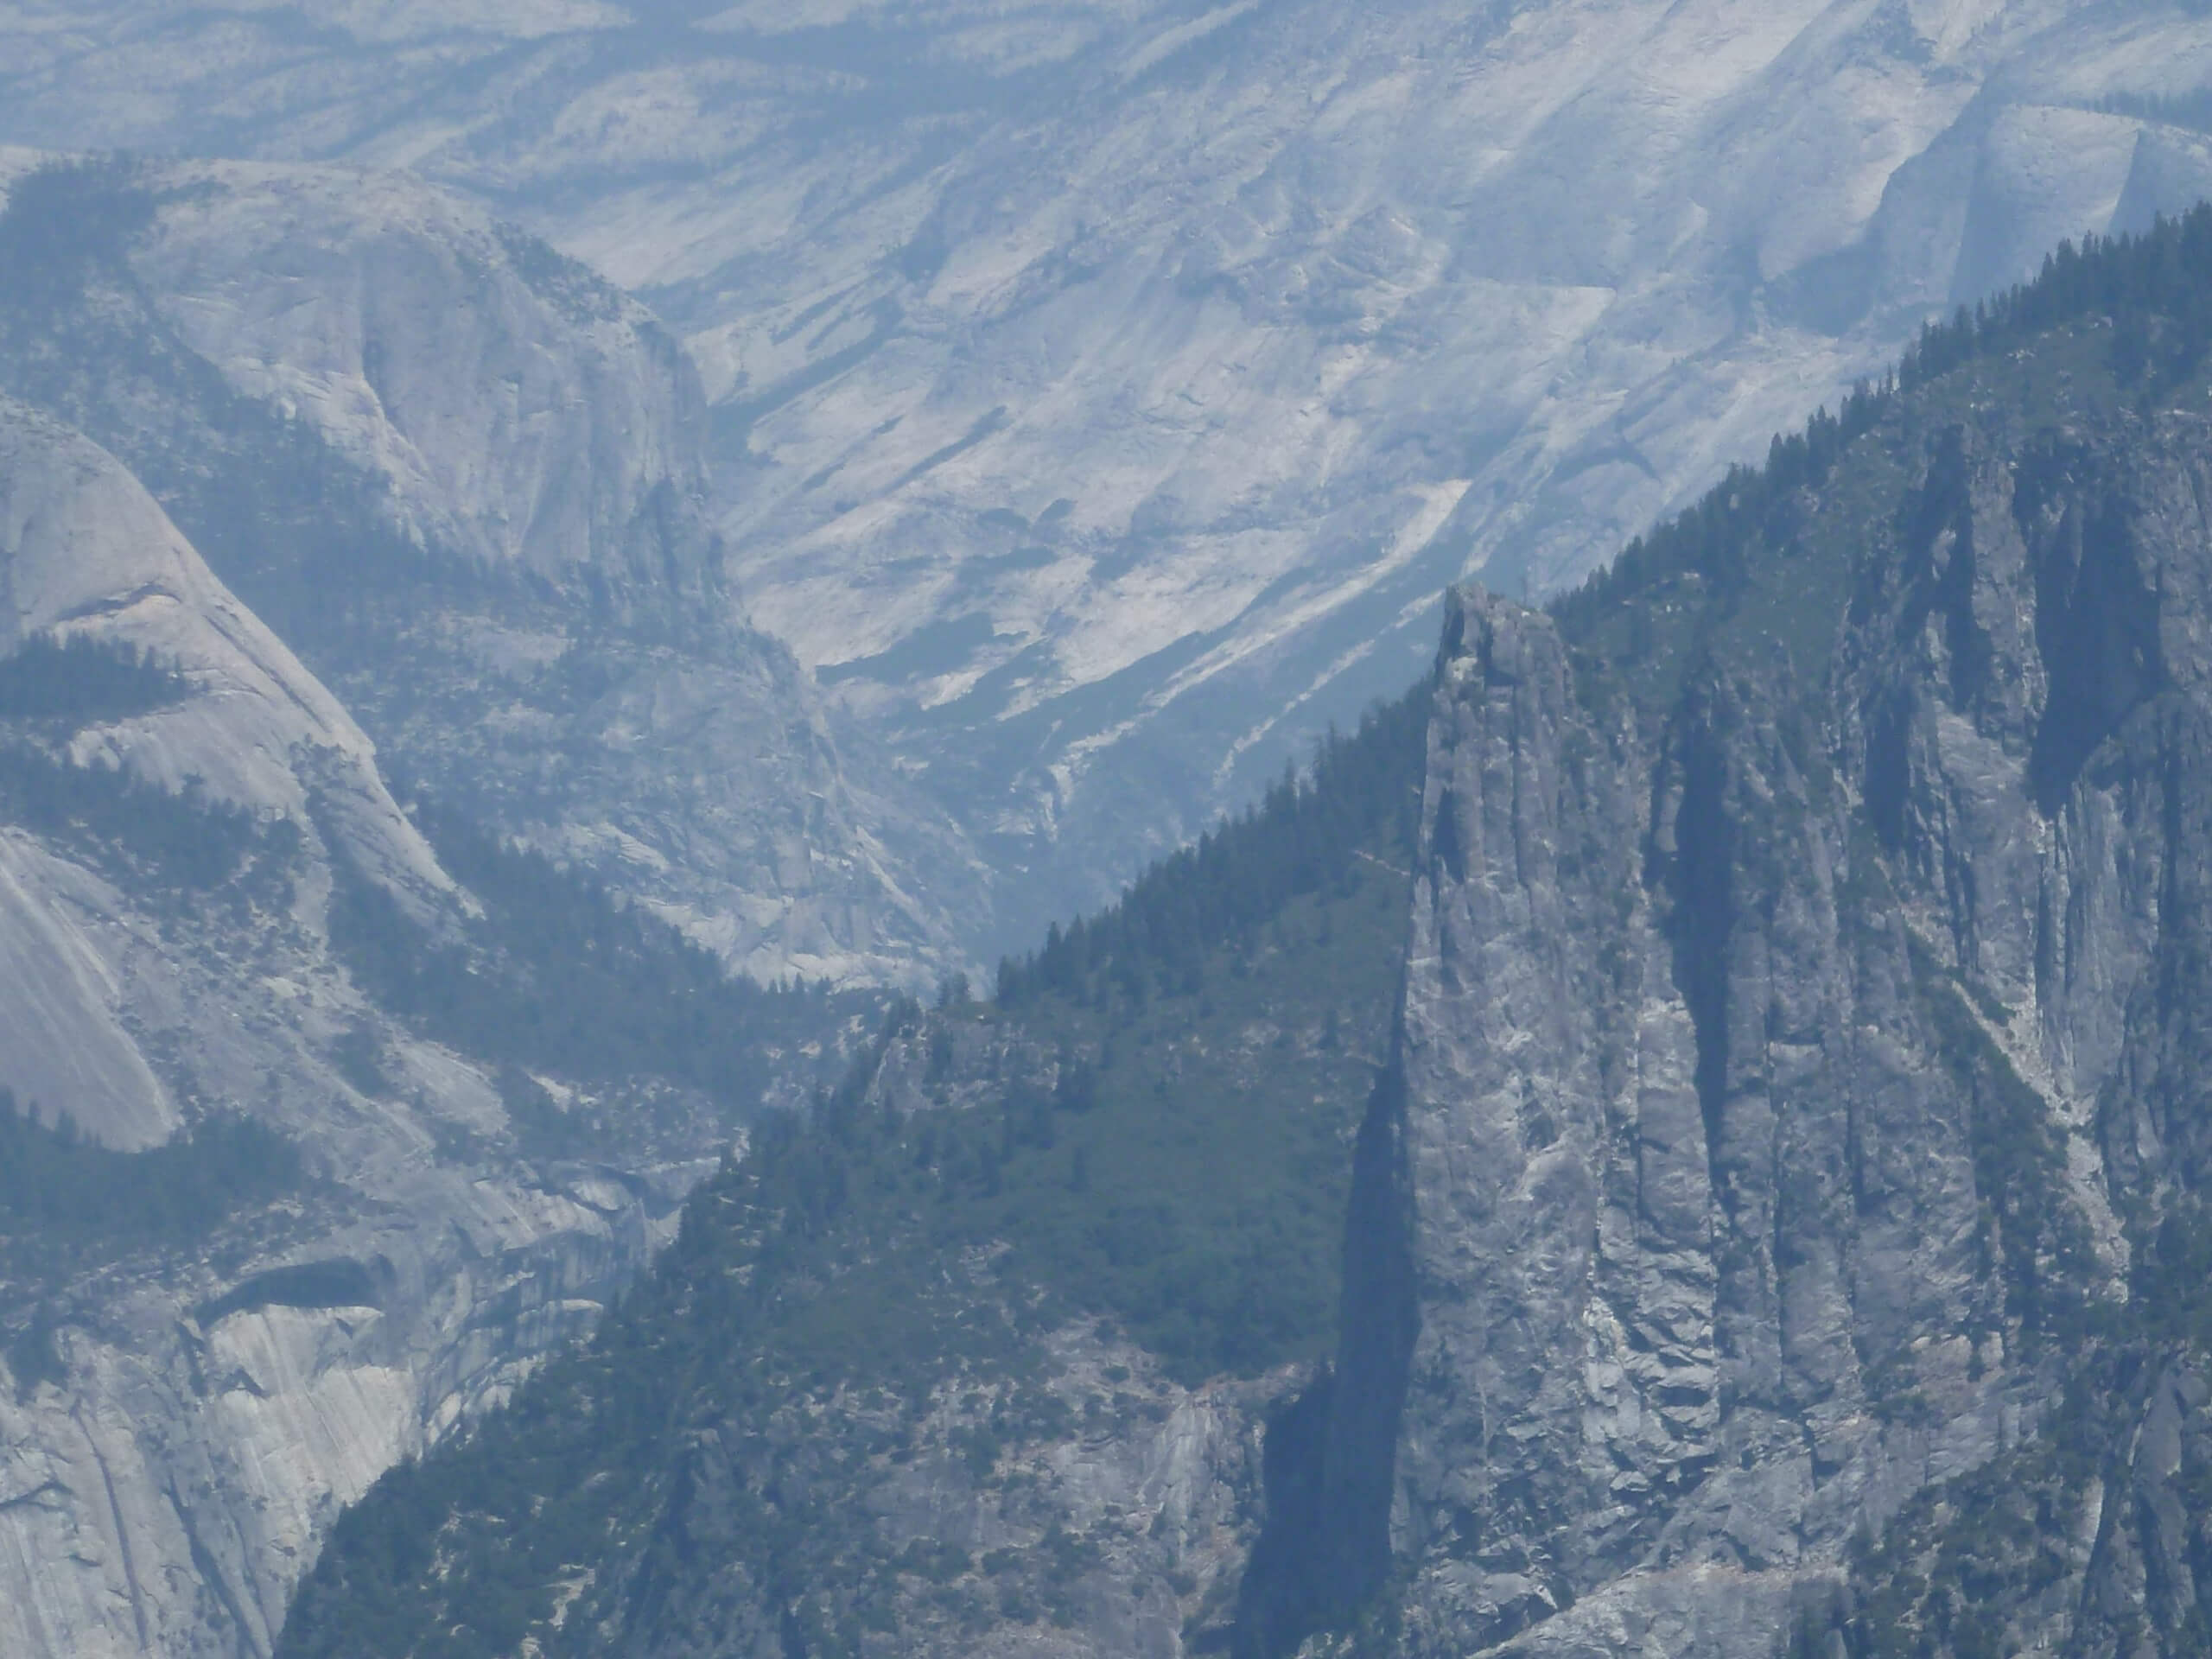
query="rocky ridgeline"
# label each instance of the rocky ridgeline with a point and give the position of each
(1776, 1220)
(1775, 1225)
(1780, 1062)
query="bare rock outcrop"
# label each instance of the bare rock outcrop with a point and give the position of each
(179, 1430)
(1790, 1072)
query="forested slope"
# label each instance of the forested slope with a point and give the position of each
(1774, 1047)
(1109, 1206)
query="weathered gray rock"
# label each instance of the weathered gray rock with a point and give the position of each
(463, 477)
(84, 552)
(166, 1493)
(1779, 1054)
(168, 1496)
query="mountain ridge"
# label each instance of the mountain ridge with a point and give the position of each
(1781, 1101)
(1301, 314)
(507, 502)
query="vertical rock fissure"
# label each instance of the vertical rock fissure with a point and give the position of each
(1700, 881)
(2096, 626)
(212, 1575)
(121, 1532)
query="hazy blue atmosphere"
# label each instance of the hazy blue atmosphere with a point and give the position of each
(1122, 829)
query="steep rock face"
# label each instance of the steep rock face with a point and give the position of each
(200, 1415)
(167, 1495)
(1150, 366)
(463, 477)
(85, 553)
(521, 412)
(1791, 1069)
(1676, 1199)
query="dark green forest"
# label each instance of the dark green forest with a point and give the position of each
(80, 682)
(61, 1191)
(180, 844)
(1364, 790)
(1184, 1179)
(177, 843)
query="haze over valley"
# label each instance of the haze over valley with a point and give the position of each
(894, 827)
(1100, 395)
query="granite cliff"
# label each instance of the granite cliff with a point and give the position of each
(167, 1469)
(1150, 365)
(200, 862)
(1774, 1223)
(462, 477)
(1789, 1113)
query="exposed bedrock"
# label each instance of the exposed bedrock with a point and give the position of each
(1785, 1052)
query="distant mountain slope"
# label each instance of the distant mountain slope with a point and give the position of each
(1102, 392)
(1776, 1223)
(463, 476)
(267, 1224)
(86, 554)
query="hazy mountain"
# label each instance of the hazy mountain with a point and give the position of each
(314, 1137)
(195, 1388)
(462, 476)
(1103, 392)
(952, 453)
(1777, 1221)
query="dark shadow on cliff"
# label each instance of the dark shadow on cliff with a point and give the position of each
(1330, 1459)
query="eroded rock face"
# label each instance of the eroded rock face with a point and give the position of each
(522, 411)
(168, 1496)
(1781, 1055)
(178, 1434)
(1684, 1167)
(1150, 365)
(463, 477)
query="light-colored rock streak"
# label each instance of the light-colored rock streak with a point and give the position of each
(63, 1045)
(1105, 372)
